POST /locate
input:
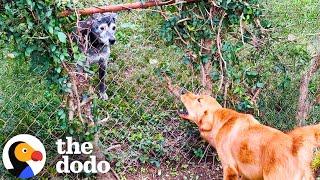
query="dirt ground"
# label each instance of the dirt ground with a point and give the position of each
(198, 171)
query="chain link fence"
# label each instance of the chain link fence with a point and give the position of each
(140, 131)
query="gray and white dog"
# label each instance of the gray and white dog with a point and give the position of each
(97, 34)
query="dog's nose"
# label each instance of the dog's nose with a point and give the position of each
(183, 91)
(112, 41)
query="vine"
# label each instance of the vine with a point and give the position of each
(40, 37)
(212, 33)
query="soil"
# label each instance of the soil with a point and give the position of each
(196, 171)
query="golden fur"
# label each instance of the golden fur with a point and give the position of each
(248, 149)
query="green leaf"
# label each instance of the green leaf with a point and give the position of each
(260, 85)
(29, 51)
(252, 73)
(215, 75)
(50, 29)
(204, 59)
(62, 37)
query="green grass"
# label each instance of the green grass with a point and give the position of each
(141, 111)
(297, 17)
(286, 60)
(27, 106)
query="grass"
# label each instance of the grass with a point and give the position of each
(27, 106)
(288, 59)
(147, 128)
(141, 112)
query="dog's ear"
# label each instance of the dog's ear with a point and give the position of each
(114, 16)
(96, 16)
(205, 123)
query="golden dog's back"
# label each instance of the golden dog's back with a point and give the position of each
(262, 152)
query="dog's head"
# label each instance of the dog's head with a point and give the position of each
(199, 109)
(104, 27)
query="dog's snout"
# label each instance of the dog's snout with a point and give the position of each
(183, 91)
(112, 41)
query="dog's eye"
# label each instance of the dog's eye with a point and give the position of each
(113, 28)
(199, 99)
(101, 28)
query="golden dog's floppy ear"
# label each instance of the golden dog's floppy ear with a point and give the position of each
(205, 123)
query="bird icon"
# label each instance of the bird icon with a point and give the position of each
(19, 154)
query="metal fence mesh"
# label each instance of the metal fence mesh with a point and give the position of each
(140, 130)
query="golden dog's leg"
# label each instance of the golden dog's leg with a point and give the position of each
(230, 173)
(308, 175)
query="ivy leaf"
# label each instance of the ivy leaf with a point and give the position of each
(50, 29)
(62, 37)
(260, 85)
(215, 75)
(186, 59)
(252, 73)
(204, 59)
(29, 51)
(30, 3)
(155, 162)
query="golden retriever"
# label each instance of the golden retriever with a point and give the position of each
(248, 149)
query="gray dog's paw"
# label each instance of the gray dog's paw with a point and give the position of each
(103, 96)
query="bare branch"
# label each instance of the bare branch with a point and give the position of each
(173, 89)
(122, 7)
(75, 92)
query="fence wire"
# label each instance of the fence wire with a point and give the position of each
(141, 131)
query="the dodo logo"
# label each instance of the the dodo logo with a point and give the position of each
(24, 156)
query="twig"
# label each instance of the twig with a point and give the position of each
(241, 28)
(256, 42)
(256, 94)
(104, 120)
(39, 37)
(224, 64)
(180, 37)
(206, 81)
(205, 151)
(203, 75)
(221, 75)
(115, 174)
(213, 159)
(113, 147)
(225, 94)
(199, 44)
(182, 20)
(263, 30)
(219, 40)
(75, 90)
(218, 45)
(304, 104)
(81, 74)
(171, 88)
(71, 107)
(84, 102)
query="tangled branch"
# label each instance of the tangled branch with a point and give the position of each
(304, 103)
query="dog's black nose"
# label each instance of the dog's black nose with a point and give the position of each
(183, 91)
(112, 41)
